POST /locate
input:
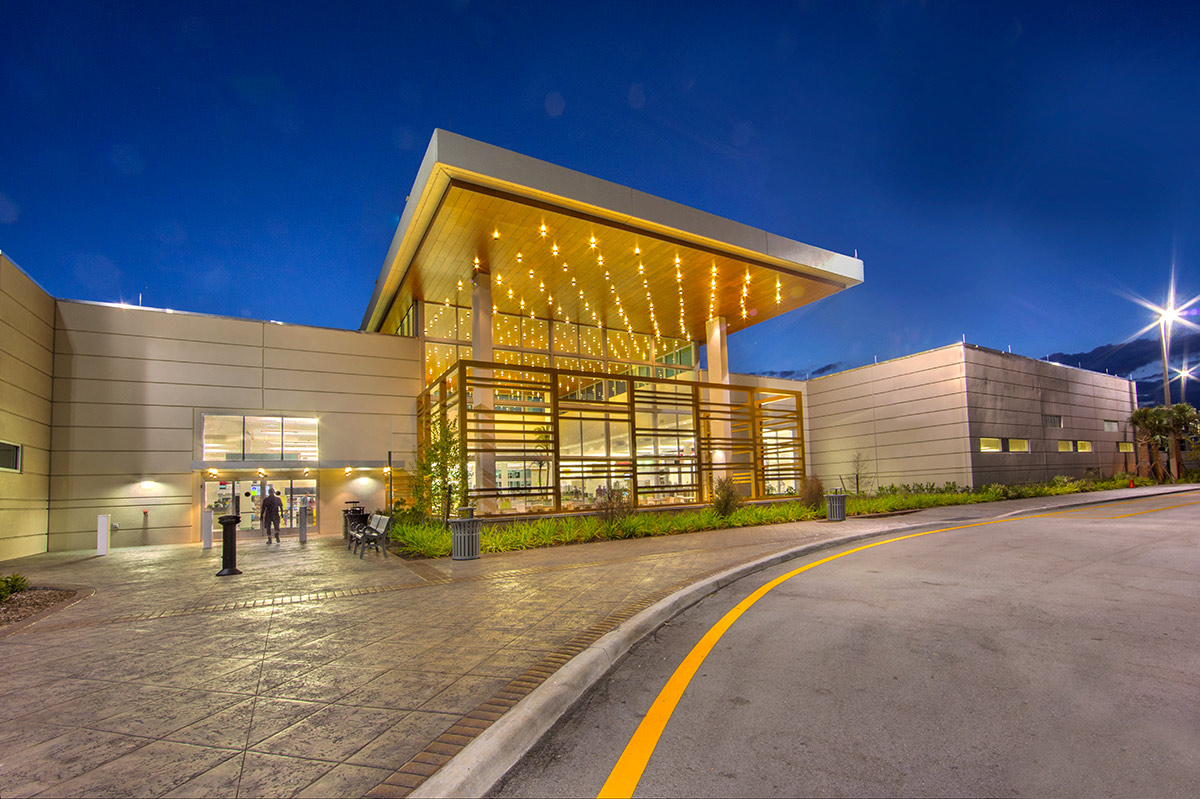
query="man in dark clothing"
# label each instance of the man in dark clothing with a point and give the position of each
(272, 511)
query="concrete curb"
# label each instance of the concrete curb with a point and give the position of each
(482, 763)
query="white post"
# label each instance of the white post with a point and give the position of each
(206, 530)
(302, 511)
(718, 372)
(103, 522)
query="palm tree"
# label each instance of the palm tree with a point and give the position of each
(1183, 423)
(1149, 426)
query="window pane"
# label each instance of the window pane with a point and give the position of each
(589, 341)
(1083, 446)
(464, 324)
(639, 345)
(264, 438)
(535, 334)
(506, 330)
(10, 456)
(1051, 420)
(566, 338)
(1124, 446)
(618, 344)
(1110, 426)
(441, 321)
(1065, 446)
(438, 358)
(1018, 445)
(222, 438)
(989, 445)
(299, 439)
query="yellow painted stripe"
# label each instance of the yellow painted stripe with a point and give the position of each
(1156, 510)
(623, 779)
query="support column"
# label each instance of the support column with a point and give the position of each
(719, 428)
(483, 398)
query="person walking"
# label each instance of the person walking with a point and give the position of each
(272, 512)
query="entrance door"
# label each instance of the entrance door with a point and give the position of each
(299, 499)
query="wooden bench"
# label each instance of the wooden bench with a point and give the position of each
(372, 534)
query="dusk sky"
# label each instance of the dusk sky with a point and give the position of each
(1010, 171)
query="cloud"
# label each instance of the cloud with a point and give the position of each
(1127, 357)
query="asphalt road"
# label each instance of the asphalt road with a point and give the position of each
(1051, 655)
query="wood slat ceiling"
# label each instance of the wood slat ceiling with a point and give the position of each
(543, 261)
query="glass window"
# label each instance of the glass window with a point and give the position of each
(1110, 426)
(441, 321)
(1065, 446)
(1018, 445)
(590, 341)
(464, 324)
(10, 456)
(535, 334)
(264, 438)
(639, 345)
(989, 445)
(1083, 446)
(618, 344)
(1051, 420)
(438, 358)
(299, 439)
(506, 330)
(1124, 446)
(566, 338)
(222, 437)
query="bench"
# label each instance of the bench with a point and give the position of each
(371, 534)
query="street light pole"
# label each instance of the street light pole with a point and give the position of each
(1163, 336)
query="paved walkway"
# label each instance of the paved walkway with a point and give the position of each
(315, 673)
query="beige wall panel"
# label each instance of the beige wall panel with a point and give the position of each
(316, 339)
(75, 342)
(130, 393)
(21, 287)
(69, 489)
(131, 518)
(285, 380)
(405, 424)
(22, 404)
(20, 374)
(22, 545)
(111, 439)
(80, 316)
(70, 542)
(328, 402)
(99, 414)
(39, 330)
(132, 465)
(35, 462)
(26, 432)
(349, 436)
(18, 345)
(342, 364)
(90, 367)
(887, 393)
(336, 490)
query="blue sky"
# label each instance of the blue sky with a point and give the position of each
(1007, 171)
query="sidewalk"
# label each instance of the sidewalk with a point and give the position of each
(315, 673)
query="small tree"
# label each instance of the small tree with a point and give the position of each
(1153, 431)
(1183, 424)
(725, 497)
(441, 470)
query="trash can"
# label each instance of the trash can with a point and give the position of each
(835, 507)
(464, 535)
(354, 515)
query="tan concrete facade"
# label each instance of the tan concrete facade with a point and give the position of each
(132, 384)
(907, 417)
(26, 366)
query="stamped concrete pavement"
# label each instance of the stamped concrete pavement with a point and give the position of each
(315, 673)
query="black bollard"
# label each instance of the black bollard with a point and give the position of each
(229, 545)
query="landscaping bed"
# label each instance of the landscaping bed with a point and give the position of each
(30, 602)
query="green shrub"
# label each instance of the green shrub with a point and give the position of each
(421, 540)
(725, 498)
(12, 584)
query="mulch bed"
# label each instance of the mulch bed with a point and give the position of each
(26, 603)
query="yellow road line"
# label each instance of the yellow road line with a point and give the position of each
(1155, 510)
(623, 779)
(1107, 504)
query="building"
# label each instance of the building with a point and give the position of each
(558, 319)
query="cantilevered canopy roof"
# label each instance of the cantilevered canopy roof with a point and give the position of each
(562, 245)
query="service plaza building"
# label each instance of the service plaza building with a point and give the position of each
(558, 319)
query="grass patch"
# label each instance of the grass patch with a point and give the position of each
(431, 540)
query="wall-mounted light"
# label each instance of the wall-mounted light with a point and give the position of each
(306, 472)
(348, 471)
(146, 485)
(364, 480)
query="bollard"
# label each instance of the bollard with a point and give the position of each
(206, 523)
(229, 545)
(303, 525)
(103, 527)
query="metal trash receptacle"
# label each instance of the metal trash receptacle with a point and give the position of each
(464, 538)
(835, 507)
